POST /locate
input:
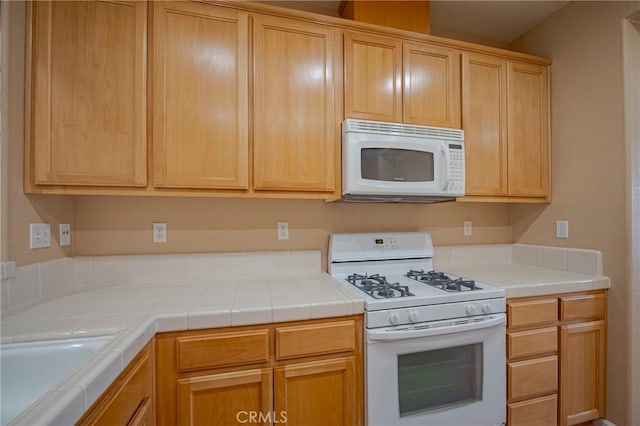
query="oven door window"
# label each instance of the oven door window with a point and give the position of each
(439, 378)
(396, 165)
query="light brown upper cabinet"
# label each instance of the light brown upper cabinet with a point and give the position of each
(373, 72)
(391, 80)
(484, 117)
(200, 96)
(528, 131)
(297, 85)
(86, 94)
(505, 111)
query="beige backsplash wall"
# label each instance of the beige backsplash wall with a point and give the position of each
(583, 39)
(122, 225)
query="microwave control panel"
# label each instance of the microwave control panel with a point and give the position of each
(456, 173)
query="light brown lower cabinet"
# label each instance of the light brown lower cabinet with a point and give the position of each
(317, 392)
(218, 399)
(130, 398)
(556, 346)
(297, 373)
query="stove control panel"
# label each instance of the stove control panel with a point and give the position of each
(444, 311)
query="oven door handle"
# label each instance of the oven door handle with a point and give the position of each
(395, 334)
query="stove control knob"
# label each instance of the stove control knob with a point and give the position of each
(413, 316)
(394, 318)
(471, 310)
(486, 308)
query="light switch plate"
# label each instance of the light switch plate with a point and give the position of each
(39, 235)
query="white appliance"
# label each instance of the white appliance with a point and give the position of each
(390, 162)
(435, 343)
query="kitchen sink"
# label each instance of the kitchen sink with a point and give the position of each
(29, 370)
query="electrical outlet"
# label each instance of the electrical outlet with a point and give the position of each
(283, 230)
(65, 234)
(468, 228)
(39, 235)
(562, 229)
(159, 232)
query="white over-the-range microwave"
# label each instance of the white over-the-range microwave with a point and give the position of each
(390, 162)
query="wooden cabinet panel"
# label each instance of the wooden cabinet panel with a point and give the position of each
(88, 91)
(532, 342)
(130, 398)
(143, 415)
(582, 368)
(373, 77)
(200, 96)
(318, 393)
(218, 399)
(222, 350)
(585, 306)
(581, 348)
(534, 412)
(431, 94)
(320, 389)
(484, 118)
(532, 377)
(316, 339)
(532, 312)
(528, 104)
(296, 97)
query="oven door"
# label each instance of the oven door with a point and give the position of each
(446, 373)
(395, 165)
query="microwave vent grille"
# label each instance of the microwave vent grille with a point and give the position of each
(383, 128)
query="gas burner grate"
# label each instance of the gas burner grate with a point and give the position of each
(378, 287)
(442, 281)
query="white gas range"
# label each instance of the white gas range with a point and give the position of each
(435, 352)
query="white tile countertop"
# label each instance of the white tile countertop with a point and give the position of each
(135, 297)
(135, 311)
(525, 270)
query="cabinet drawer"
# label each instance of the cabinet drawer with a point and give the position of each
(533, 412)
(315, 339)
(532, 312)
(532, 377)
(222, 349)
(585, 306)
(532, 342)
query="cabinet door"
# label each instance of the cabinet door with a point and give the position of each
(582, 372)
(528, 130)
(225, 398)
(318, 393)
(484, 118)
(88, 77)
(373, 73)
(200, 96)
(296, 93)
(431, 85)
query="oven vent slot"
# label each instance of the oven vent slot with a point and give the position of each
(382, 128)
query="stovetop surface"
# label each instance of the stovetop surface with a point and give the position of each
(392, 256)
(422, 294)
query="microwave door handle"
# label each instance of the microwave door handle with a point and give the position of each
(445, 170)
